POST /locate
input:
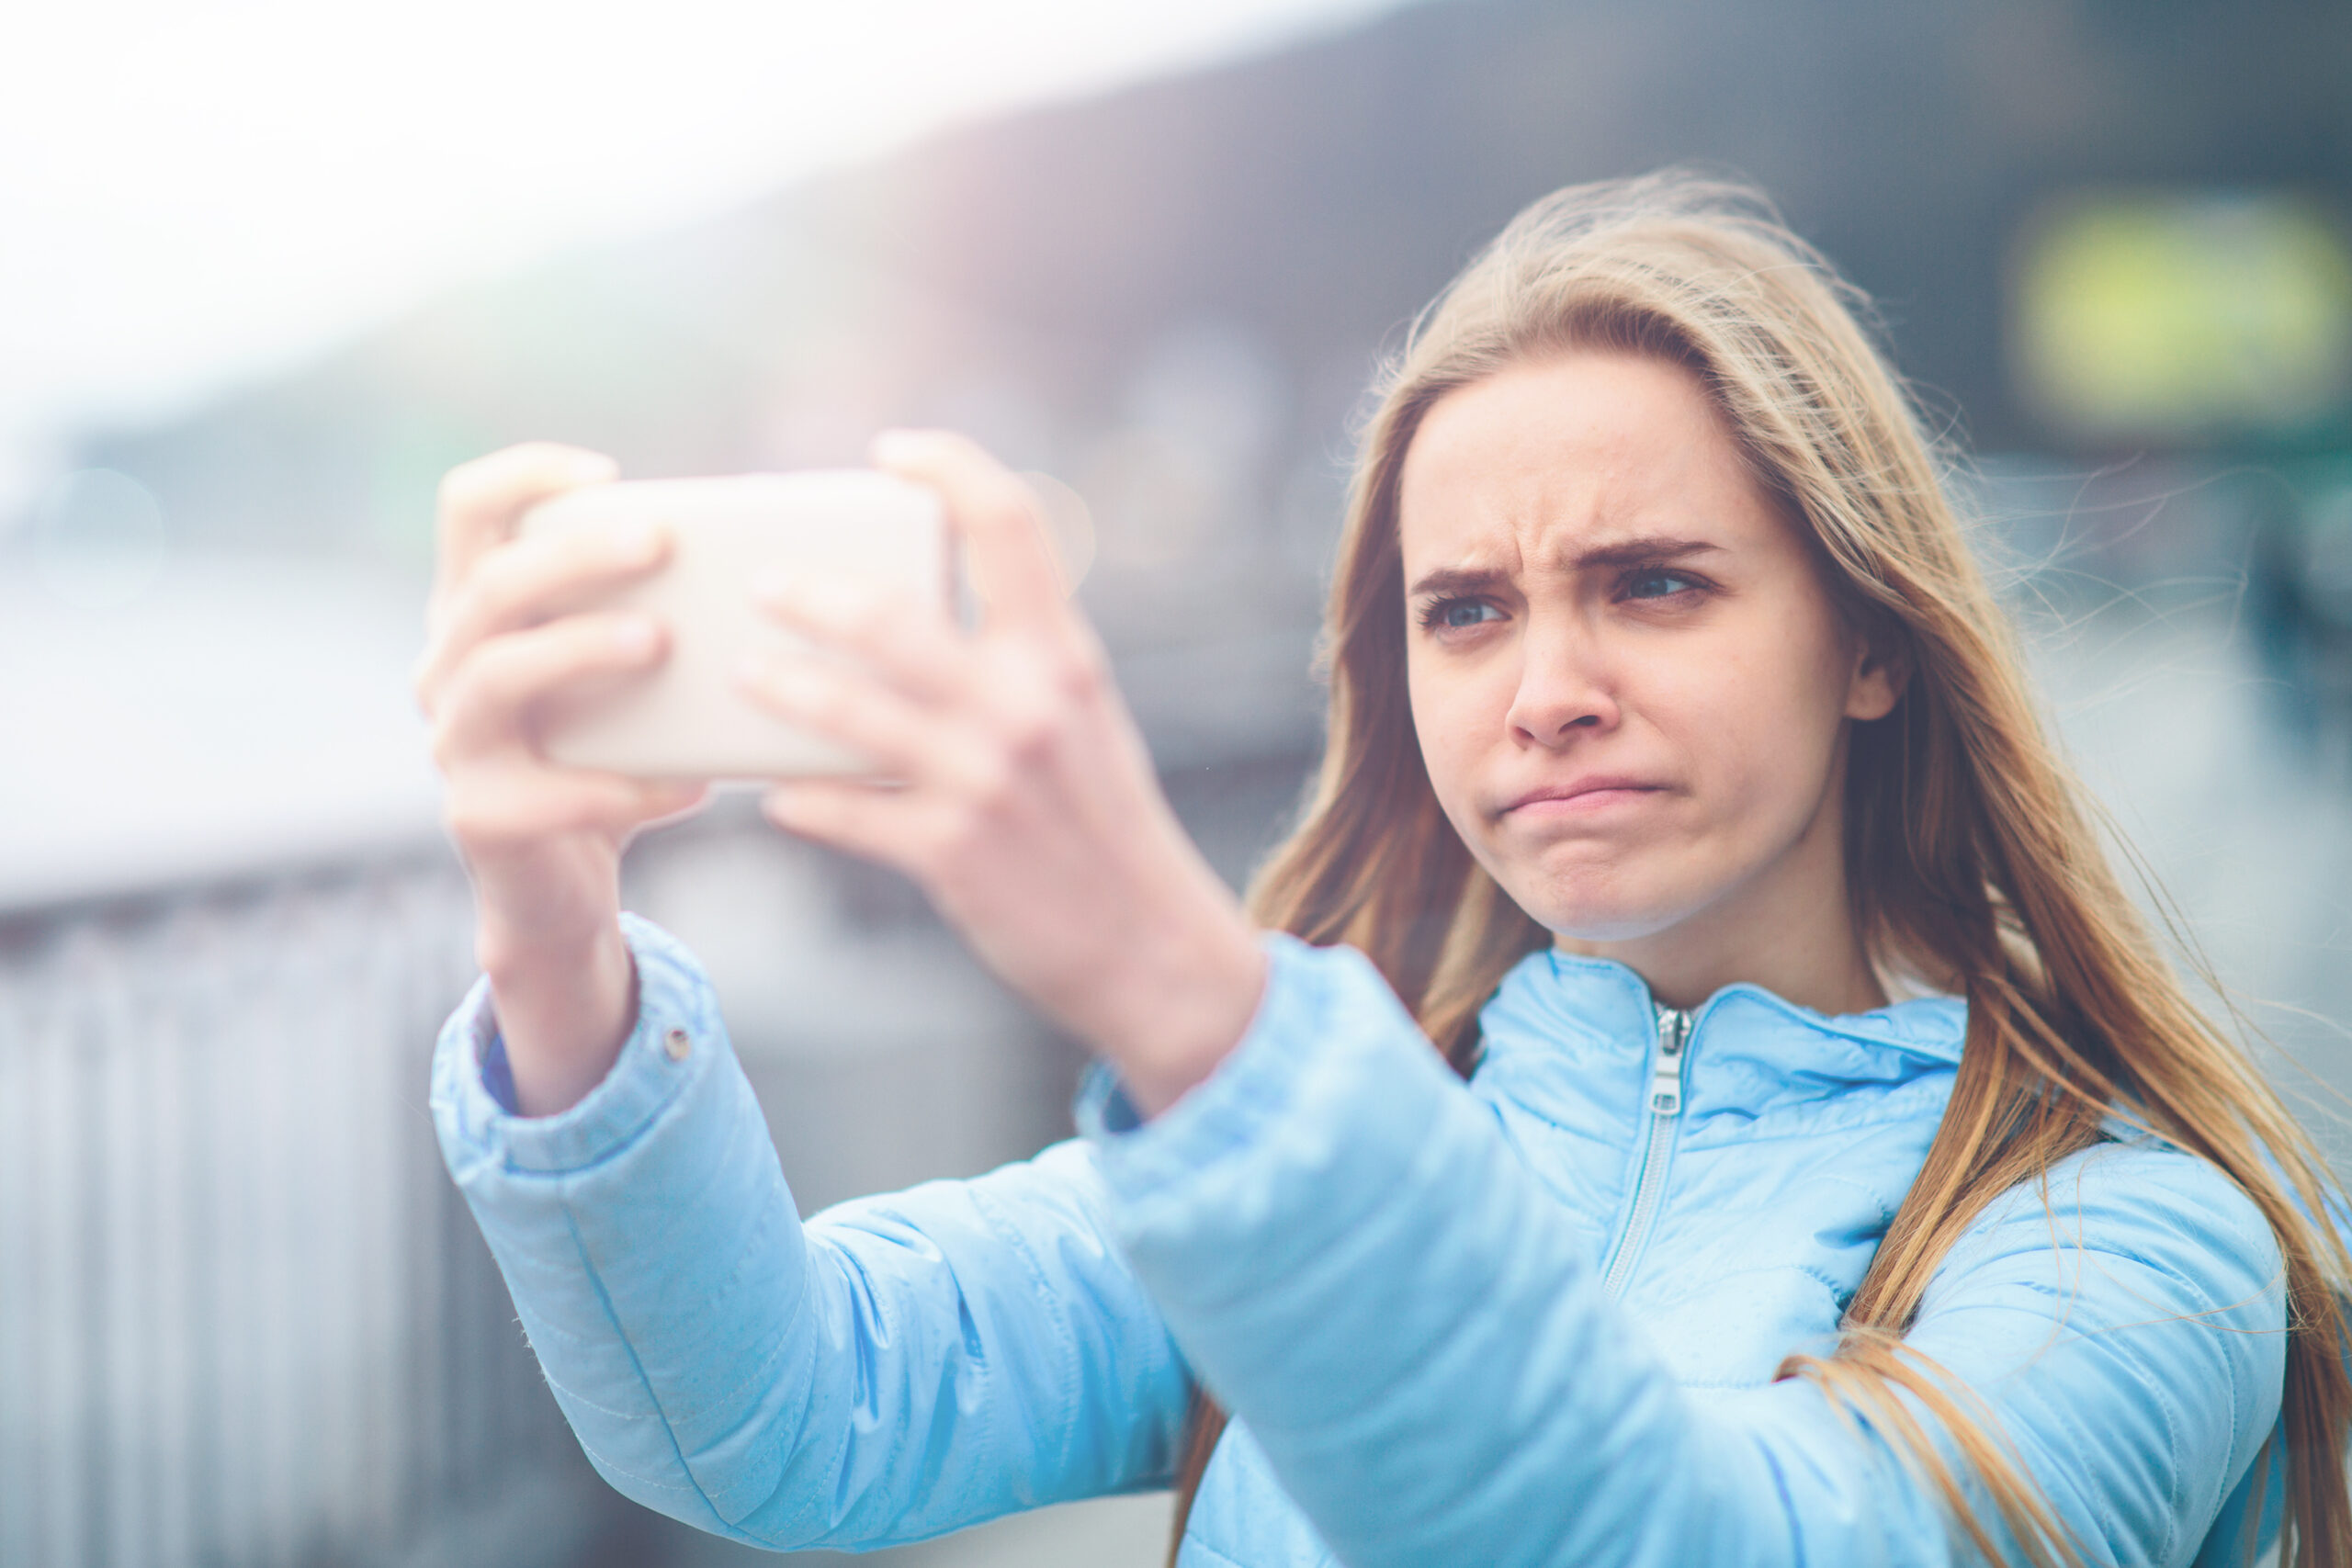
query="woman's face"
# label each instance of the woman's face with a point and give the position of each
(1629, 682)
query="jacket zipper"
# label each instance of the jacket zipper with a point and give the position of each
(1665, 1110)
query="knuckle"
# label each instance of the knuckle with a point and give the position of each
(990, 790)
(1030, 734)
(475, 691)
(499, 480)
(581, 552)
(463, 630)
(502, 600)
(957, 830)
(459, 487)
(480, 679)
(1033, 722)
(1080, 675)
(495, 583)
(475, 484)
(470, 820)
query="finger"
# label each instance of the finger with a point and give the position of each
(1012, 559)
(1069, 524)
(856, 817)
(480, 501)
(911, 646)
(897, 738)
(666, 800)
(530, 581)
(491, 699)
(524, 801)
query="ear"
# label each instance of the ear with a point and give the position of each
(1881, 669)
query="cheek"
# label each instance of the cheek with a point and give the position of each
(1455, 719)
(1763, 718)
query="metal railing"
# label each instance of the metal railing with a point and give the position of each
(243, 1317)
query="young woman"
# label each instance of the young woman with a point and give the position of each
(1840, 1175)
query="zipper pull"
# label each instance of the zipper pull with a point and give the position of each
(1666, 1079)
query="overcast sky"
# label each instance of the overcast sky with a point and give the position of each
(196, 191)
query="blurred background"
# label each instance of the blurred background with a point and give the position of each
(267, 270)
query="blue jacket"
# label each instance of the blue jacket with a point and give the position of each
(1528, 1319)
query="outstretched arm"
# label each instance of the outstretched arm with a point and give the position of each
(1354, 1262)
(1349, 1253)
(898, 1368)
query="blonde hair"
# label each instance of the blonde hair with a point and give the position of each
(1970, 849)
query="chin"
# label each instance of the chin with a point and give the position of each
(1598, 900)
(1600, 929)
(1579, 916)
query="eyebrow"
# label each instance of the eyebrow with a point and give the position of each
(1650, 550)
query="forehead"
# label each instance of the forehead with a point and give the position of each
(1552, 456)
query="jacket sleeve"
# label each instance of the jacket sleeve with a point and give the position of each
(1357, 1265)
(898, 1368)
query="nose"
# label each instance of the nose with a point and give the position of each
(1565, 685)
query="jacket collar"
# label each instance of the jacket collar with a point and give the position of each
(1553, 999)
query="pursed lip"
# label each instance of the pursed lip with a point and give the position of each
(1591, 793)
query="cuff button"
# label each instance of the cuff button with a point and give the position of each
(677, 1045)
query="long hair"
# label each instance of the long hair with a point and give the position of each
(1970, 854)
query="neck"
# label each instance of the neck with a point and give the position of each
(1836, 979)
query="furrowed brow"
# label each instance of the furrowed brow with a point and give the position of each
(1651, 549)
(1454, 580)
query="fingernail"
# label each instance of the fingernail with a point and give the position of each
(635, 635)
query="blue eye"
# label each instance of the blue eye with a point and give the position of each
(1456, 614)
(1657, 585)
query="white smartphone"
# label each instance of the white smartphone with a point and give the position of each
(730, 537)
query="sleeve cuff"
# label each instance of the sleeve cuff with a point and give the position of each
(1229, 1111)
(676, 1038)
(497, 1073)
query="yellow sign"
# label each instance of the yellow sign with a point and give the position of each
(2174, 317)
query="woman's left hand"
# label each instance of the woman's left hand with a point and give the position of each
(1023, 801)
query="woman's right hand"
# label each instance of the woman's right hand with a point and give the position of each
(507, 634)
